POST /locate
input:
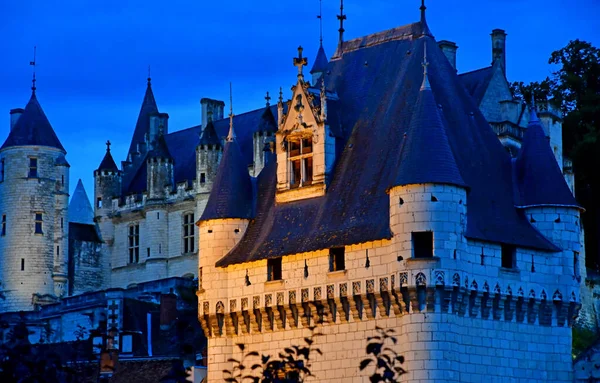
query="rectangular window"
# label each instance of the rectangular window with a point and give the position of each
(274, 269)
(202, 178)
(33, 167)
(509, 253)
(22, 264)
(422, 242)
(39, 222)
(3, 232)
(134, 243)
(337, 258)
(300, 155)
(188, 233)
(99, 203)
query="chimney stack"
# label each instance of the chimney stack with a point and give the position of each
(211, 110)
(168, 310)
(449, 49)
(14, 117)
(499, 48)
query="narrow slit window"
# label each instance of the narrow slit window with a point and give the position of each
(33, 167)
(188, 233)
(39, 222)
(337, 259)
(22, 264)
(62, 180)
(3, 232)
(422, 242)
(576, 265)
(2, 170)
(202, 178)
(99, 203)
(274, 269)
(509, 258)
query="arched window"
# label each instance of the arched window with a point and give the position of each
(188, 233)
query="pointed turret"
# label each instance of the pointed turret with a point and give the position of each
(541, 183)
(160, 172)
(265, 133)
(108, 163)
(426, 155)
(424, 27)
(209, 137)
(161, 150)
(80, 209)
(320, 66)
(33, 128)
(231, 195)
(208, 155)
(143, 122)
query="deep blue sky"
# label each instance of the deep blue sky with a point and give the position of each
(93, 56)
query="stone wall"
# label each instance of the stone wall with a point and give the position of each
(85, 267)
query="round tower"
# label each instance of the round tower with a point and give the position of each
(34, 184)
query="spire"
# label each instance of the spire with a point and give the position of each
(142, 125)
(341, 17)
(268, 98)
(231, 135)
(280, 95)
(149, 77)
(33, 63)
(425, 85)
(320, 17)
(424, 26)
(80, 209)
(539, 178)
(108, 163)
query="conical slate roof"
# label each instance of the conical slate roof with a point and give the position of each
(209, 135)
(33, 128)
(267, 121)
(321, 61)
(108, 163)
(80, 209)
(231, 195)
(426, 154)
(143, 122)
(540, 181)
(160, 150)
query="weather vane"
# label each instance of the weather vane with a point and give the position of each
(32, 63)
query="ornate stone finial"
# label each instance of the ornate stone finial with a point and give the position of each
(108, 146)
(425, 85)
(33, 63)
(300, 62)
(341, 17)
(268, 98)
(231, 135)
(280, 95)
(422, 8)
(320, 17)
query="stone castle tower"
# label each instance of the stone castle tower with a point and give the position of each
(34, 185)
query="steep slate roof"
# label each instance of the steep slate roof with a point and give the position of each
(108, 163)
(426, 156)
(540, 181)
(476, 82)
(267, 122)
(80, 209)
(33, 128)
(377, 102)
(321, 62)
(143, 122)
(232, 194)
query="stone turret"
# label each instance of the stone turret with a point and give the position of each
(499, 48)
(320, 66)
(34, 240)
(208, 155)
(265, 133)
(159, 170)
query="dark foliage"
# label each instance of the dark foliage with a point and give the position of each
(382, 358)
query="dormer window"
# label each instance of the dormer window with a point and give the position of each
(300, 156)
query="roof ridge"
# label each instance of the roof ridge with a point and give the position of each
(476, 70)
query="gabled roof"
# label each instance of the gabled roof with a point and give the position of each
(376, 105)
(476, 82)
(108, 163)
(321, 62)
(33, 128)
(231, 195)
(540, 181)
(80, 209)
(209, 135)
(267, 122)
(143, 122)
(426, 156)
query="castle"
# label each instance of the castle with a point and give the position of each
(388, 191)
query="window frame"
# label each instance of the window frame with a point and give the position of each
(419, 250)
(188, 233)
(274, 269)
(133, 243)
(337, 259)
(505, 251)
(304, 155)
(32, 171)
(38, 223)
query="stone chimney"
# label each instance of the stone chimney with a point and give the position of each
(168, 310)
(14, 117)
(449, 48)
(211, 109)
(499, 48)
